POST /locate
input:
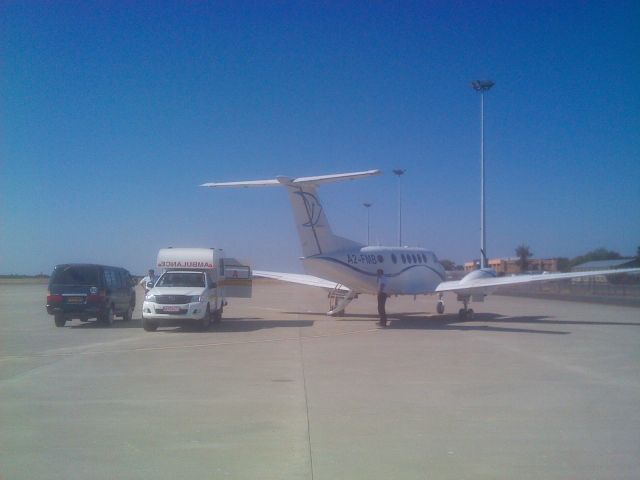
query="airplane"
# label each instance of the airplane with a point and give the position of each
(348, 268)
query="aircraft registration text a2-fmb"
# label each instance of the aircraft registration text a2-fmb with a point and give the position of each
(348, 268)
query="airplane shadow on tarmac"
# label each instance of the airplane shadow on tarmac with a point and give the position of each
(452, 322)
(420, 321)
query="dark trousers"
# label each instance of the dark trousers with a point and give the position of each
(382, 299)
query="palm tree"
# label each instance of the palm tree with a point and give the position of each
(524, 253)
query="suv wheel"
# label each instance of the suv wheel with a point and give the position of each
(60, 320)
(108, 317)
(128, 315)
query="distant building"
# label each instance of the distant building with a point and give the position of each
(607, 265)
(471, 266)
(596, 265)
(511, 266)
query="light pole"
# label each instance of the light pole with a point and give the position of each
(367, 205)
(399, 172)
(482, 86)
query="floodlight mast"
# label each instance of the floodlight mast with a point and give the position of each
(482, 86)
(367, 206)
(399, 172)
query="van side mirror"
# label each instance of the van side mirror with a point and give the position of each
(149, 285)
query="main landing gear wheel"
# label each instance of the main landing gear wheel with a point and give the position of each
(440, 307)
(465, 314)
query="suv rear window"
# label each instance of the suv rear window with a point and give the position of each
(76, 275)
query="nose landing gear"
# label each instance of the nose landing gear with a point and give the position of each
(440, 306)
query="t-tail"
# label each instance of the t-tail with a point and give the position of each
(316, 236)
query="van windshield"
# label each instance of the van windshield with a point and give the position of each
(76, 275)
(181, 279)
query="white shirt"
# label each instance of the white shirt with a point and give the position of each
(148, 279)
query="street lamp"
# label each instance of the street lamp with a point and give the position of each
(367, 205)
(482, 86)
(399, 172)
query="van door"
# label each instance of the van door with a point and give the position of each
(237, 279)
(212, 291)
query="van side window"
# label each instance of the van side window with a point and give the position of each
(123, 278)
(109, 278)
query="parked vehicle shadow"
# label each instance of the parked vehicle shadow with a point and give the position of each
(229, 324)
(118, 323)
(238, 325)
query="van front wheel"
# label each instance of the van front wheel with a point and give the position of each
(205, 323)
(217, 315)
(149, 326)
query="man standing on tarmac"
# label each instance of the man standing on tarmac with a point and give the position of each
(151, 277)
(382, 298)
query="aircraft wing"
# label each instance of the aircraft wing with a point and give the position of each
(300, 278)
(479, 285)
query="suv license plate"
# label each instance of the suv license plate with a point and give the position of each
(75, 299)
(171, 309)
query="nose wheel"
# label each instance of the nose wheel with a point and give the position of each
(440, 306)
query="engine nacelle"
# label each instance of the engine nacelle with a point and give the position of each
(477, 294)
(479, 274)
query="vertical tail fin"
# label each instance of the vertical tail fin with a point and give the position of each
(316, 236)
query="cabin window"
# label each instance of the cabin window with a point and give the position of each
(394, 259)
(415, 260)
(424, 257)
(380, 259)
(404, 260)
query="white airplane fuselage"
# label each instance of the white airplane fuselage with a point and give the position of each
(407, 271)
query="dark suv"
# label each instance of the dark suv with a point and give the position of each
(87, 291)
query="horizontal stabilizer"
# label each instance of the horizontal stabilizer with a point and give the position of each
(294, 181)
(298, 278)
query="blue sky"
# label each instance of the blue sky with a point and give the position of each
(114, 112)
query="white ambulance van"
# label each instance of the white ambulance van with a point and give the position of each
(192, 288)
